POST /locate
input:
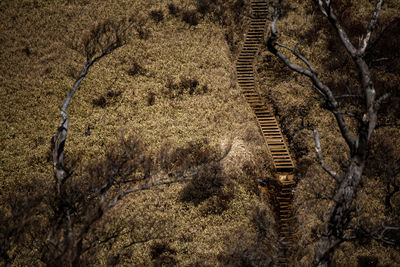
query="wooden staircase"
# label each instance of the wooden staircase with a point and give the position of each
(269, 127)
(245, 75)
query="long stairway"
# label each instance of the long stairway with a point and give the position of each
(245, 74)
(269, 126)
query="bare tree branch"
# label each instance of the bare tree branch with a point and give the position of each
(374, 19)
(357, 56)
(299, 56)
(347, 96)
(326, 9)
(149, 186)
(349, 182)
(379, 235)
(381, 100)
(320, 158)
(105, 37)
(312, 75)
(101, 41)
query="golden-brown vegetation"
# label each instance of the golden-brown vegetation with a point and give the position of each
(171, 85)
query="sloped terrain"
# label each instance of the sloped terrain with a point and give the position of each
(173, 85)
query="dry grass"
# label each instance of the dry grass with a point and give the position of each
(126, 94)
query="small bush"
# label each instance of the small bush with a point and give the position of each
(136, 69)
(259, 218)
(103, 100)
(157, 15)
(192, 154)
(190, 17)
(203, 6)
(204, 89)
(151, 98)
(190, 84)
(113, 94)
(230, 39)
(162, 254)
(27, 51)
(208, 182)
(143, 32)
(185, 85)
(99, 102)
(302, 166)
(220, 202)
(173, 9)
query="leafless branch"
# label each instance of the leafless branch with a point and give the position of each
(338, 218)
(320, 157)
(326, 9)
(299, 56)
(381, 100)
(381, 234)
(147, 187)
(381, 33)
(105, 37)
(312, 75)
(367, 37)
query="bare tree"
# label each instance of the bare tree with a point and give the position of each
(66, 242)
(358, 142)
(81, 199)
(104, 38)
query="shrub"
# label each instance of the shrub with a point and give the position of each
(113, 94)
(136, 69)
(151, 97)
(173, 9)
(302, 166)
(99, 102)
(103, 100)
(230, 39)
(162, 254)
(157, 15)
(27, 51)
(143, 32)
(185, 85)
(190, 84)
(204, 89)
(190, 17)
(194, 153)
(260, 219)
(220, 202)
(203, 6)
(206, 183)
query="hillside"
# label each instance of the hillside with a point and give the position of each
(173, 87)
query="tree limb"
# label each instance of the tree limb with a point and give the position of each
(367, 37)
(312, 75)
(299, 56)
(326, 9)
(320, 158)
(381, 100)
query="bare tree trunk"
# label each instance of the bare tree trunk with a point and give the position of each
(358, 143)
(340, 213)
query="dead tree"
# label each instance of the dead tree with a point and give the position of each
(81, 199)
(358, 142)
(103, 39)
